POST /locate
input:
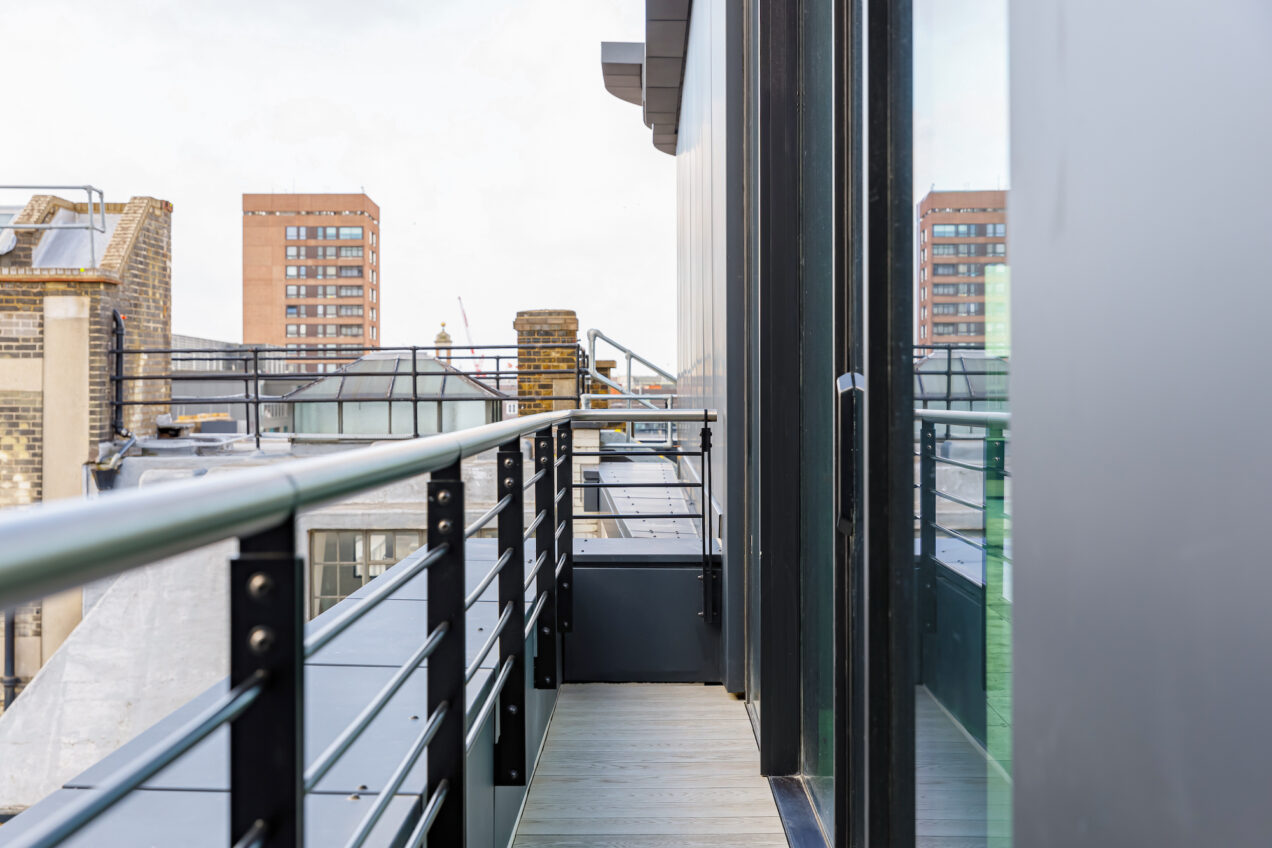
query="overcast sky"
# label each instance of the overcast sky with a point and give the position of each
(504, 171)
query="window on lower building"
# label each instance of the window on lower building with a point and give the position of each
(353, 252)
(351, 270)
(350, 291)
(348, 329)
(343, 561)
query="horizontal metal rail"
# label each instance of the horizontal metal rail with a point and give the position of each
(560, 529)
(206, 375)
(538, 519)
(122, 530)
(957, 535)
(964, 417)
(560, 494)
(282, 352)
(534, 479)
(491, 641)
(956, 499)
(651, 451)
(534, 615)
(390, 789)
(333, 752)
(958, 463)
(590, 515)
(64, 823)
(560, 564)
(475, 527)
(255, 836)
(431, 809)
(534, 572)
(380, 591)
(491, 700)
(488, 579)
(673, 485)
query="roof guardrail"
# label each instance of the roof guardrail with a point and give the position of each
(52, 546)
(62, 544)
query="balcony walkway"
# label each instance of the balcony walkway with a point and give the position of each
(649, 766)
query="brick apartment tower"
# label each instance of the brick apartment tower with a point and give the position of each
(311, 275)
(56, 332)
(960, 233)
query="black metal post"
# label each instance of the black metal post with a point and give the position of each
(267, 636)
(10, 680)
(447, 665)
(925, 595)
(117, 413)
(565, 523)
(710, 614)
(256, 392)
(415, 394)
(247, 397)
(994, 497)
(545, 664)
(510, 747)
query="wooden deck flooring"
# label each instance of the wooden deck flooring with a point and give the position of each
(649, 766)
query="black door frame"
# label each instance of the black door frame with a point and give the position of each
(779, 368)
(874, 757)
(874, 593)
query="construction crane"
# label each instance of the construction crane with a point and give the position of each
(481, 363)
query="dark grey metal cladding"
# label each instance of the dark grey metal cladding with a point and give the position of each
(197, 819)
(634, 623)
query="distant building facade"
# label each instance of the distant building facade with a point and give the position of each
(311, 275)
(962, 238)
(60, 292)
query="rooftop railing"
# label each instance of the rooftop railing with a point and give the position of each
(278, 378)
(59, 545)
(992, 428)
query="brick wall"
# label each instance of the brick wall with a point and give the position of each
(604, 367)
(134, 277)
(140, 255)
(547, 326)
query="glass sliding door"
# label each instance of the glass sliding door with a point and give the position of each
(818, 295)
(963, 569)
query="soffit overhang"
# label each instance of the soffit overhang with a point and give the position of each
(658, 65)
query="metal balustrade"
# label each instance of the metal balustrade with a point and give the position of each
(264, 707)
(993, 473)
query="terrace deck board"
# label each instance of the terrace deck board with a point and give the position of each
(649, 766)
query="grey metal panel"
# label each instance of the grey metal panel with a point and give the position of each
(1139, 209)
(479, 792)
(711, 348)
(635, 624)
(388, 635)
(163, 819)
(333, 696)
(638, 551)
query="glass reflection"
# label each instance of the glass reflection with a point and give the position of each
(962, 361)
